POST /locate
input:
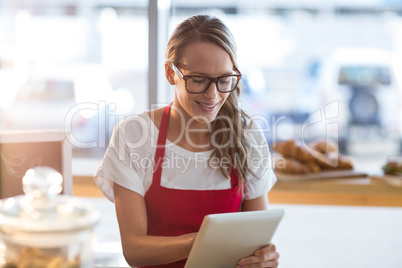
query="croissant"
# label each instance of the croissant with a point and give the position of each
(313, 166)
(334, 161)
(285, 148)
(294, 157)
(302, 154)
(290, 165)
(324, 146)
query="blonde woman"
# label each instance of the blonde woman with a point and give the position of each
(166, 169)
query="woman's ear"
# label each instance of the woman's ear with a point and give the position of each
(169, 73)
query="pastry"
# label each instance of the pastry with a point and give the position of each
(290, 165)
(285, 148)
(334, 161)
(313, 166)
(302, 154)
(324, 146)
(393, 166)
(295, 158)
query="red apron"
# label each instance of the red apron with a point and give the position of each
(173, 212)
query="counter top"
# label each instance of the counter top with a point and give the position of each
(356, 191)
(336, 191)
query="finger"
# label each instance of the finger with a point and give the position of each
(273, 256)
(265, 250)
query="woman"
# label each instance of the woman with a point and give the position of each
(167, 168)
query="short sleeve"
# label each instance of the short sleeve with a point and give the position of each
(261, 164)
(117, 166)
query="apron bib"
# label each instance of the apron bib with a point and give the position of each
(173, 212)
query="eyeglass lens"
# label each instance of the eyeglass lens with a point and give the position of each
(200, 84)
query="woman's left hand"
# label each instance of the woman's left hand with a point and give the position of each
(264, 257)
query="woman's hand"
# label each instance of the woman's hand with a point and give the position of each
(264, 257)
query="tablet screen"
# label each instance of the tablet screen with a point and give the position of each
(226, 238)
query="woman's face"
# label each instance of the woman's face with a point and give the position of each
(207, 59)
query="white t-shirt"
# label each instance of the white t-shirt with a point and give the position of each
(129, 162)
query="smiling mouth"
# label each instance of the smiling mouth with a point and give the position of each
(207, 105)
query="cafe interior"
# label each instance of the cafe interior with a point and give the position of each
(314, 73)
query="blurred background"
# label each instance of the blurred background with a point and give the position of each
(310, 68)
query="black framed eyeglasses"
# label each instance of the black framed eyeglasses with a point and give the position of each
(197, 84)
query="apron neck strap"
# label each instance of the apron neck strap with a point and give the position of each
(160, 148)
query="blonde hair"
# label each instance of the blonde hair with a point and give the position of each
(232, 145)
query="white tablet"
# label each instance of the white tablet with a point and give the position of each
(226, 238)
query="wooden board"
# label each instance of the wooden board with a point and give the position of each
(319, 175)
(392, 180)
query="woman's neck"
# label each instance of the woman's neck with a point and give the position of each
(189, 133)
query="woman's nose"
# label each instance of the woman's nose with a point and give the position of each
(212, 91)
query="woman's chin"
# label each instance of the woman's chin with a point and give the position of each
(204, 119)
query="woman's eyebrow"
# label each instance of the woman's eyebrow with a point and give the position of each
(205, 74)
(190, 72)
